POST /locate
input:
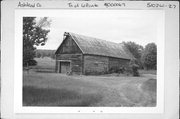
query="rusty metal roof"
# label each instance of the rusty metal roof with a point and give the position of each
(95, 46)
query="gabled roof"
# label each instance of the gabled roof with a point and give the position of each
(95, 46)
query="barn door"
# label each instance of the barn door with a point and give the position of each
(64, 67)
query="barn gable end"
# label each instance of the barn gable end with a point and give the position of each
(69, 57)
(68, 46)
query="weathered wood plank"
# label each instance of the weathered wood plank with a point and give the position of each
(75, 59)
(117, 62)
(68, 46)
(95, 64)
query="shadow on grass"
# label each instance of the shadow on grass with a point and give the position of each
(33, 96)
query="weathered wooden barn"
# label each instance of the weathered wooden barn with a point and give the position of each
(86, 55)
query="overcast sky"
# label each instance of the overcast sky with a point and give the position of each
(116, 26)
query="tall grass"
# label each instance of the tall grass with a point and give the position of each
(154, 72)
(33, 96)
(44, 65)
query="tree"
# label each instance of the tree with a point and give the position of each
(34, 34)
(149, 56)
(136, 50)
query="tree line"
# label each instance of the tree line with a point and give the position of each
(45, 53)
(145, 57)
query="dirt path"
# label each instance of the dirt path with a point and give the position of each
(120, 91)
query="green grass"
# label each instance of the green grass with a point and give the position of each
(33, 96)
(53, 89)
(44, 65)
(148, 72)
(50, 89)
(43, 89)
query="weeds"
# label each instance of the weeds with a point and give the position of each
(33, 96)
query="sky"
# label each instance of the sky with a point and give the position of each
(139, 26)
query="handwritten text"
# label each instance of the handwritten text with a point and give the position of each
(29, 5)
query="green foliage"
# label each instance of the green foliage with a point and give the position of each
(136, 50)
(33, 35)
(149, 56)
(134, 67)
(32, 62)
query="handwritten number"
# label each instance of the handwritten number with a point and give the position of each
(174, 6)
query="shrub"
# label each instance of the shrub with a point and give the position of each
(128, 70)
(134, 68)
(30, 63)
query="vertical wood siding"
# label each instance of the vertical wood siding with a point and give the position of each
(76, 62)
(95, 65)
(116, 62)
(68, 46)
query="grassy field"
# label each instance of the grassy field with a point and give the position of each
(42, 87)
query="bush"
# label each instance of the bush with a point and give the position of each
(30, 63)
(134, 68)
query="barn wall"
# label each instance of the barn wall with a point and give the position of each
(56, 66)
(95, 64)
(76, 62)
(116, 62)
